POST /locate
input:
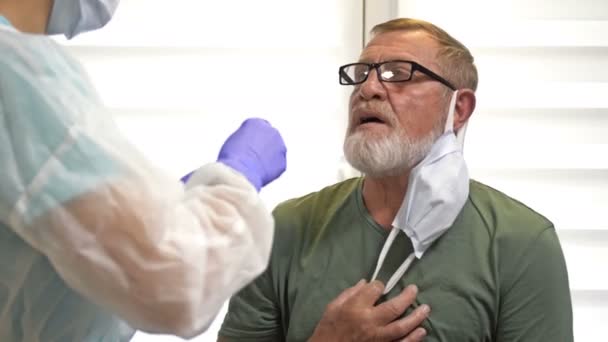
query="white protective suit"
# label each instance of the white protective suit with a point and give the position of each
(94, 241)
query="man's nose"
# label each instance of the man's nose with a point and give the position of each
(372, 87)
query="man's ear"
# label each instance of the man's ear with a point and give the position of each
(465, 105)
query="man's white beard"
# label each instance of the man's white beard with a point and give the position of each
(389, 155)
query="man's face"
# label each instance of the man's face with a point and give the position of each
(392, 126)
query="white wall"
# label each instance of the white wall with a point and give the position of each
(180, 76)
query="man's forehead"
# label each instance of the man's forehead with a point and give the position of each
(412, 45)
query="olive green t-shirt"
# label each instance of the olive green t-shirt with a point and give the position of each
(498, 274)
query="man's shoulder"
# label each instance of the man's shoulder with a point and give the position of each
(322, 199)
(300, 219)
(504, 214)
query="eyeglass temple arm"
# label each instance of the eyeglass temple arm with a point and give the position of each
(430, 73)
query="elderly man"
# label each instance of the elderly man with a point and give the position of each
(490, 268)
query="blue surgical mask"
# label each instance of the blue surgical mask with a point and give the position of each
(438, 188)
(72, 17)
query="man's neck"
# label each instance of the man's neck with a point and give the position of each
(383, 197)
(29, 16)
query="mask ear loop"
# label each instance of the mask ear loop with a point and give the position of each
(399, 273)
(460, 135)
(401, 270)
(387, 245)
(449, 122)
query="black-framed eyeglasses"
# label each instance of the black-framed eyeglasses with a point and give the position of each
(389, 71)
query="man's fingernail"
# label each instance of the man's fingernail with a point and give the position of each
(425, 309)
(378, 285)
(414, 288)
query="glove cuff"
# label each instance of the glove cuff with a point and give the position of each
(241, 168)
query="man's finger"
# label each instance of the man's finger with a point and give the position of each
(416, 336)
(402, 327)
(393, 308)
(370, 293)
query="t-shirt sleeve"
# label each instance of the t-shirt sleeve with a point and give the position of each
(535, 301)
(253, 313)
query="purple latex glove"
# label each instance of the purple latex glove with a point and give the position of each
(256, 150)
(186, 177)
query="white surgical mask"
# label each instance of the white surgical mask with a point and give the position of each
(438, 188)
(72, 17)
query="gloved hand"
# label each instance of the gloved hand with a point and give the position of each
(256, 150)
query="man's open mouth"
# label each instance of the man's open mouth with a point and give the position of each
(370, 118)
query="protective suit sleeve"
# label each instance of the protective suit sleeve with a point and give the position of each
(161, 255)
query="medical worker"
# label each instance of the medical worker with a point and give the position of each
(94, 241)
